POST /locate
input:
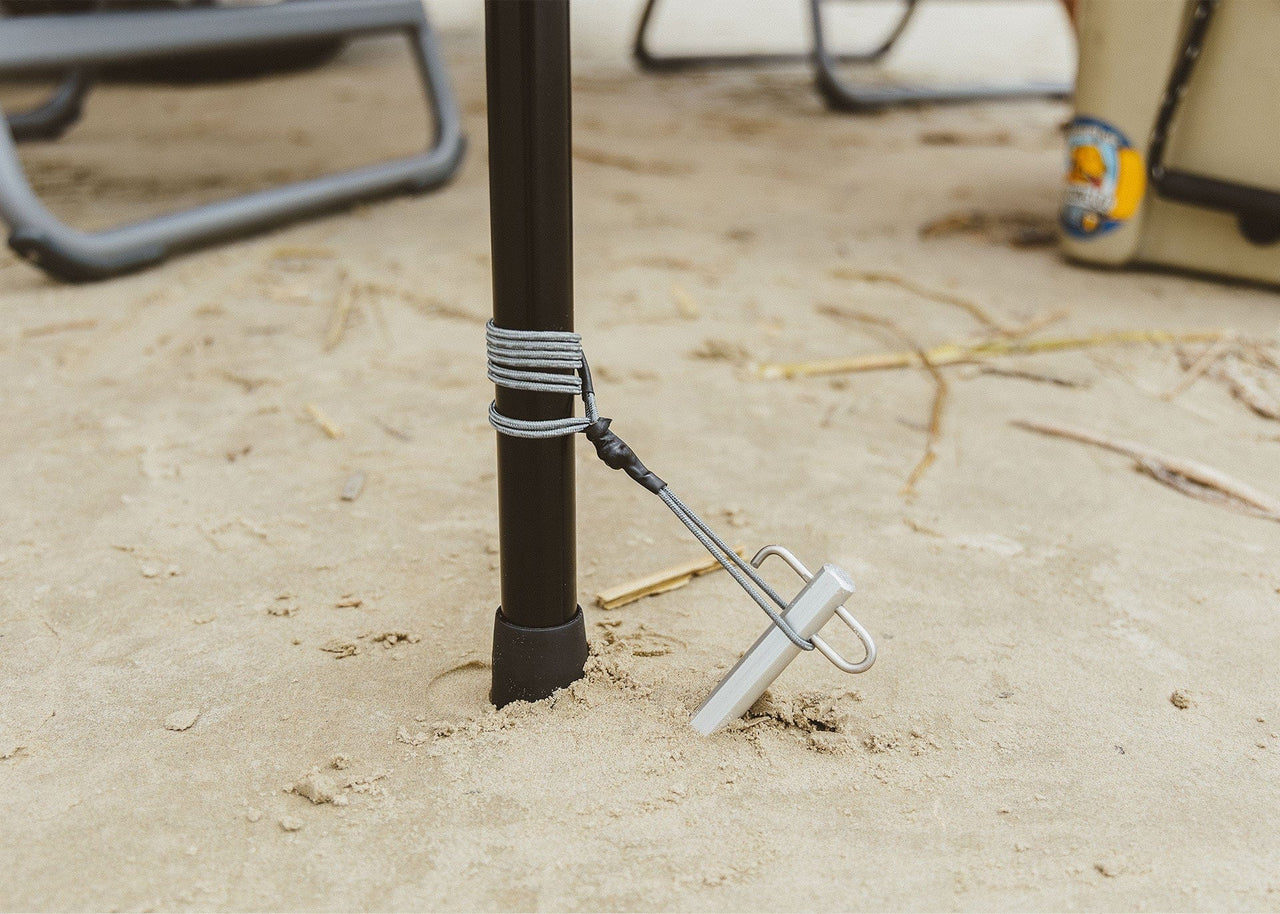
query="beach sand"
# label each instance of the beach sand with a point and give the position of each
(225, 686)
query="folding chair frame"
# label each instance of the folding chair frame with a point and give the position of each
(50, 119)
(77, 42)
(839, 93)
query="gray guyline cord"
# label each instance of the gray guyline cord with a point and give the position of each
(552, 361)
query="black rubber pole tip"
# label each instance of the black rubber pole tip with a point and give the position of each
(531, 663)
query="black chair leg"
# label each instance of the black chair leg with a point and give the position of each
(653, 62)
(840, 93)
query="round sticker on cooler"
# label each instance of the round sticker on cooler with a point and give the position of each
(1106, 178)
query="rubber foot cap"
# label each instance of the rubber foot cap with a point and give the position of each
(531, 663)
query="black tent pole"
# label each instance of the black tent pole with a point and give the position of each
(539, 640)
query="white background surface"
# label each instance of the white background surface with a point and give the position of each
(1026, 38)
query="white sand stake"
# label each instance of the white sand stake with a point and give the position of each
(822, 597)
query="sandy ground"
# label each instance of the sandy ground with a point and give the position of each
(174, 542)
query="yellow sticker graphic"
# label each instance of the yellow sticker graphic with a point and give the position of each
(1105, 181)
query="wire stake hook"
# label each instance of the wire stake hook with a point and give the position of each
(868, 645)
(822, 597)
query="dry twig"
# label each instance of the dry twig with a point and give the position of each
(1206, 361)
(939, 392)
(972, 308)
(60, 327)
(1249, 390)
(391, 430)
(1241, 365)
(991, 322)
(958, 353)
(1025, 375)
(1264, 356)
(327, 425)
(342, 306)
(657, 582)
(1189, 477)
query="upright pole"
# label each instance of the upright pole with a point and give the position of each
(539, 640)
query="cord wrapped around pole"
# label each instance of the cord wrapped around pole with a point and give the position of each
(535, 360)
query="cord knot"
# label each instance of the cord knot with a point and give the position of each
(617, 455)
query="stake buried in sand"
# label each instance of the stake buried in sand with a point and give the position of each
(822, 597)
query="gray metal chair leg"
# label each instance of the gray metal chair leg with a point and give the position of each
(51, 118)
(842, 95)
(67, 42)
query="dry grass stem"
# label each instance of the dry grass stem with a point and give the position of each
(940, 389)
(327, 425)
(1243, 367)
(1189, 477)
(1024, 375)
(958, 353)
(1250, 390)
(1201, 365)
(60, 327)
(342, 306)
(657, 582)
(398, 434)
(970, 307)
(1264, 356)
(1039, 322)
(978, 312)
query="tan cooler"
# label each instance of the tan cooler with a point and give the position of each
(1173, 156)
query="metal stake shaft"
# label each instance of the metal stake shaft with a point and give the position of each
(539, 637)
